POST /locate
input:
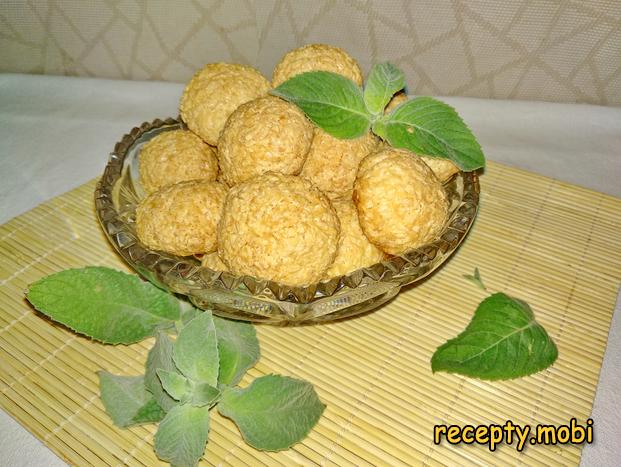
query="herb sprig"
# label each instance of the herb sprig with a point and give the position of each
(184, 377)
(423, 125)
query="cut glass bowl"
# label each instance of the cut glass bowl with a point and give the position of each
(250, 298)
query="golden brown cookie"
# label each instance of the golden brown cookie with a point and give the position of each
(354, 250)
(214, 93)
(176, 156)
(263, 135)
(278, 227)
(400, 202)
(181, 219)
(332, 163)
(316, 57)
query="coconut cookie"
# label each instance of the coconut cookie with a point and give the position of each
(214, 93)
(332, 163)
(278, 227)
(316, 57)
(176, 156)
(263, 135)
(400, 201)
(354, 250)
(181, 219)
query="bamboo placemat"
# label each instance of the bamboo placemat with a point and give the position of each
(554, 245)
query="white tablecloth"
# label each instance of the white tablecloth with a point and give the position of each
(56, 133)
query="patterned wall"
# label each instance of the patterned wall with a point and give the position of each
(558, 50)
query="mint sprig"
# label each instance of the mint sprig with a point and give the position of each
(184, 377)
(423, 125)
(503, 341)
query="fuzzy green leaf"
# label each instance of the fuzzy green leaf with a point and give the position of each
(383, 82)
(151, 412)
(160, 358)
(195, 351)
(178, 386)
(274, 412)
(182, 435)
(331, 101)
(106, 305)
(429, 127)
(126, 400)
(188, 312)
(238, 347)
(204, 394)
(503, 341)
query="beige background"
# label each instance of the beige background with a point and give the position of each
(558, 50)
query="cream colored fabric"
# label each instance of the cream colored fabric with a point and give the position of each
(558, 50)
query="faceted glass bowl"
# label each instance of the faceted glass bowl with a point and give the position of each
(250, 298)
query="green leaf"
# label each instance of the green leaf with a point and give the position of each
(204, 394)
(383, 82)
(151, 412)
(126, 400)
(274, 412)
(238, 347)
(182, 435)
(195, 351)
(107, 305)
(188, 312)
(429, 127)
(331, 101)
(174, 384)
(160, 358)
(475, 279)
(503, 341)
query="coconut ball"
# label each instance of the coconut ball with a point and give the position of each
(181, 219)
(213, 261)
(278, 227)
(400, 201)
(332, 163)
(442, 168)
(265, 134)
(214, 93)
(176, 156)
(354, 249)
(316, 57)
(398, 99)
